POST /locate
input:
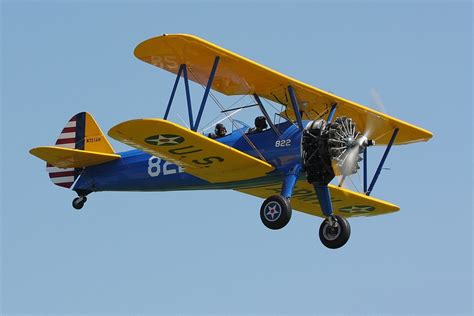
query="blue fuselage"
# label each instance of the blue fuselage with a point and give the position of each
(139, 171)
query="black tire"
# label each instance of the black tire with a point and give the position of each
(78, 202)
(275, 212)
(335, 237)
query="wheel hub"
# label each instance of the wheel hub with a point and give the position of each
(331, 232)
(272, 211)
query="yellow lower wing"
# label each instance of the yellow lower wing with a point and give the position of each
(71, 158)
(198, 155)
(345, 202)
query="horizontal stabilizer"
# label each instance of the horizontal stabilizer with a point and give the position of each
(345, 202)
(197, 154)
(71, 158)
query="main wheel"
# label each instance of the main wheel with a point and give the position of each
(275, 212)
(78, 202)
(337, 235)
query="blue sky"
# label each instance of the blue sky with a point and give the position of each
(207, 252)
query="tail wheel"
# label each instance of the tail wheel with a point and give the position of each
(275, 212)
(336, 234)
(79, 202)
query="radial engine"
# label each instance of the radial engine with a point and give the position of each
(333, 148)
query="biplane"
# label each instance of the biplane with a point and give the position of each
(292, 164)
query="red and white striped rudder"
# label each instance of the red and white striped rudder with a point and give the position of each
(70, 137)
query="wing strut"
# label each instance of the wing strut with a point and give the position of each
(206, 92)
(188, 95)
(365, 169)
(296, 108)
(382, 161)
(332, 112)
(182, 70)
(173, 91)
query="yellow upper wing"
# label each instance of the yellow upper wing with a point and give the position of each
(198, 155)
(237, 75)
(345, 202)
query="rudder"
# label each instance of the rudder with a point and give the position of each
(82, 133)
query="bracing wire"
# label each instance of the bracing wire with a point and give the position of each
(270, 104)
(210, 122)
(234, 124)
(355, 187)
(217, 122)
(182, 120)
(360, 180)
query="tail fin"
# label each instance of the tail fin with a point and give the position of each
(83, 133)
(80, 143)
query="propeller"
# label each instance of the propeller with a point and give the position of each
(346, 145)
(339, 143)
(377, 100)
(349, 164)
(372, 121)
(356, 142)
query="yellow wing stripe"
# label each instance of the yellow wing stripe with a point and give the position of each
(237, 75)
(71, 158)
(345, 202)
(198, 155)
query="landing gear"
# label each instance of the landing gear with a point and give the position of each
(275, 212)
(334, 231)
(79, 202)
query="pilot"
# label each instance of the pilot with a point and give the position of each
(219, 131)
(260, 125)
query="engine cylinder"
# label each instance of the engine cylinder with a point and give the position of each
(331, 149)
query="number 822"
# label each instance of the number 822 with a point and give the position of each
(283, 143)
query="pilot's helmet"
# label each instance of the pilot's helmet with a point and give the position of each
(220, 130)
(261, 122)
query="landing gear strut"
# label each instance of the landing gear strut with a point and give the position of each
(334, 231)
(79, 202)
(275, 212)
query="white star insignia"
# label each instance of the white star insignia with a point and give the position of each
(272, 211)
(162, 140)
(358, 209)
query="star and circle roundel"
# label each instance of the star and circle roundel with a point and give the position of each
(272, 211)
(357, 209)
(164, 140)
